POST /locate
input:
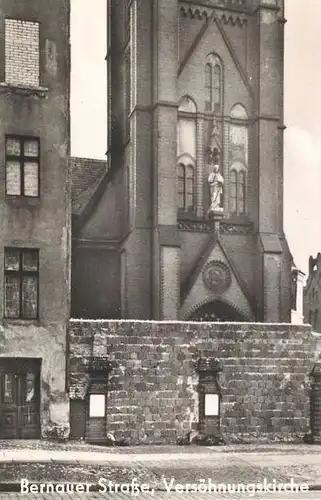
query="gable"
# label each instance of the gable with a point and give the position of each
(199, 292)
(236, 86)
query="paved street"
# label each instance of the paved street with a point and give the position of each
(157, 467)
(190, 465)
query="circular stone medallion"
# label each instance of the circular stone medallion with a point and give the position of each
(217, 277)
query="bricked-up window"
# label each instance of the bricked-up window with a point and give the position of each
(21, 277)
(22, 166)
(22, 52)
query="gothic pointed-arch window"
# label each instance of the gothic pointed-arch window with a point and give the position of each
(186, 187)
(238, 160)
(241, 193)
(181, 186)
(238, 189)
(208, 87)
(213, 83)
(217, 87)
(186, 154)
(233, 191)
(189, 188)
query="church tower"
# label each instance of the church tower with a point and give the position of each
(194, 187)
(193, 85)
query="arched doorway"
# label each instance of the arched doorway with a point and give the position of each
(217, 311)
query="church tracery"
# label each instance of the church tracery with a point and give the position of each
(213, 84)
(186, 154)
(238, 160)
(238, 181)
(186, 184)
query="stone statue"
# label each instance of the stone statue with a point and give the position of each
(216, 182)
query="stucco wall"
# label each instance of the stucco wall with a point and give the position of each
(41, 223)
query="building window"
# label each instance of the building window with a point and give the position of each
(21, 276)
(185, 188)
(186, 155)
(233, 190)
(181, 187)
(22, 166)
(213, 84)
(208, 87)
(217, 87)
(238, 159)
(8, 390)
(22, 53)
(238, 190)
(241, 194)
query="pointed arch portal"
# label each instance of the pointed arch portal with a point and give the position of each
(216, 311)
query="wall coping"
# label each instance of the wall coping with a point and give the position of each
(304, 327)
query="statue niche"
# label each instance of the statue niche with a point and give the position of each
(215, 179)
(216, 183)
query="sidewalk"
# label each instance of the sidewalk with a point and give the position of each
(41, 461)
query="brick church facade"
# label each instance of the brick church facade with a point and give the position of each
(182, 222)
(187, 82)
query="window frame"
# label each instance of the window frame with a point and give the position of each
(233, 191)
(239, 187)
(217, 87)
(208, 87)
(241, 195)
(22, 159)
(185, 168)
(213, 84)
(21, 273)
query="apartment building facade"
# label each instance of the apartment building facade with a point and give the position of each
(35, 216)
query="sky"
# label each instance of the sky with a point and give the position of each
(302, 148)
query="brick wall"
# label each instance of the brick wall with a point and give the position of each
(22, 52)
(153, 385)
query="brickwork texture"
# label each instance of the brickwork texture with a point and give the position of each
(22, 52)
(153, 386)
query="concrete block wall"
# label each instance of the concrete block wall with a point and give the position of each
(153, 386)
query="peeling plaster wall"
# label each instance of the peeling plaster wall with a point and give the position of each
(43, 222)
(47, 343)
(153, 385)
